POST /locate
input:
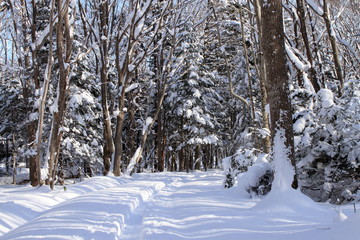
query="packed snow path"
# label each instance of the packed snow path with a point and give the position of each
(191, 206)
(196, 206)
(165, 206)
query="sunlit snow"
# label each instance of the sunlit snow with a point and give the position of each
(165, 206)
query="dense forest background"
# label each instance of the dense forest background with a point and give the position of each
(115, 86)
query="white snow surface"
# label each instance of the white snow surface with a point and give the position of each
(299, 125)
(284, 172)
(166, 206)
(251, 178)
(147, 123)
(326, 97)
(315, 7)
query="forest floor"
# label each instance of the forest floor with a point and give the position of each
(167, 206)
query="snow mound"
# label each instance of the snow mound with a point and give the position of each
(289, 201)
(251, 178)
(326, 97)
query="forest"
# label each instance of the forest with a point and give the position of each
(115, 87)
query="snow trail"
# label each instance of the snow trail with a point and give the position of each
(99, 214)
(196, 206)
(22, 204)
(166, 206)
(192, 206)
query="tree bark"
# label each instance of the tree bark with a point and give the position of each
(160, 143)
(250, 87)
(262, 80)
(273, 41)
(227, 65)
(198, 157)
(42, 98)
(123, 81)
(124, 78)
(335, 51)
(27, 92)
(160, 136)
(137, 156)
(14, 158)
(301, 15)
(318, 64)
(108, 145)
(64, 40)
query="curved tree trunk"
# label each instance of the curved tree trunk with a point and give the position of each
(44, 91)
(301, 15)
(335, 51)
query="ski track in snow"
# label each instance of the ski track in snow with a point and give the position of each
(100, 213)
(165, 206)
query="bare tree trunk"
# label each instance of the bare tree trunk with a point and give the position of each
(34, 51)
(27, 92)
(137, 156)
(124, 73)
(64, 40)
(335, 51)
(132, 135)
(173, 166)
(108, 147)
(160, 143)
(181, 159)
(44, 91)
(316, 50)
(273, 41)
(248, 71)
(14, 153)
(227, 65)
(188, 158)
(123, 82)
(160, 134)
(34, 175)
(301, 15)
(198, 157)
(262, 79)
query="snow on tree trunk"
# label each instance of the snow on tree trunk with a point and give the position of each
(277, 84)
(64, 40)
(42, 101)
(108, 144)
(134, 160)
(284, 171)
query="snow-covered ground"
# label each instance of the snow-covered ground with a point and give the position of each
(167, 206)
